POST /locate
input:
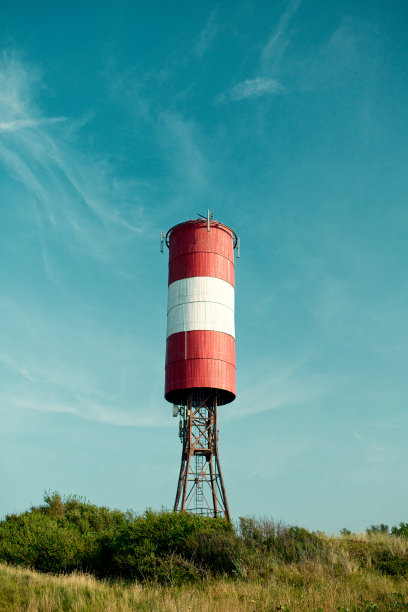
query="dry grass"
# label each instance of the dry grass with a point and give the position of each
(307, 586)
(395, 544)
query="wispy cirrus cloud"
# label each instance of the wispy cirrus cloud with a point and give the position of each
(19, 124)
(17, 366)
(74, 197)
(182, 150)
(283, 385)
(89, 409)
(266, 83)
(207, 35)
(274, 49)
(183, 153)
(252, 88)
(79, 383)
(349, 52)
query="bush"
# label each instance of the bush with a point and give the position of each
(167, 546)
(345, 532)
(401, 530)
(392, 564)
(60, 536)
(373, 529)
(72, 534)
(39, 542)
(217, 552)
(287, 544)
(64, 535)
(361, 551)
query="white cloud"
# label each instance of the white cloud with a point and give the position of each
(273, 385)
(349, 52)
(207, 35)
(90, 410)
(102, 392)
(252, 88)
(270, 60)
(183, 152)
(16, 366)
(74, 198)
(180, 139)
(18, 124)
(275, 47)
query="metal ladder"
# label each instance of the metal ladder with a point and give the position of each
(199, 486)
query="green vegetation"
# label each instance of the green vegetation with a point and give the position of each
(72, 535)
(110, 560)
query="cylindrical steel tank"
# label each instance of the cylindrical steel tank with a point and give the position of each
(200, 351)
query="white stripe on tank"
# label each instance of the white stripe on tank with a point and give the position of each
(201, 302)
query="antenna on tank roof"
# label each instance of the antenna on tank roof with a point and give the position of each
(162, 240)
(207, 218)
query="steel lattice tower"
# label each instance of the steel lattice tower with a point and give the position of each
(200, 487)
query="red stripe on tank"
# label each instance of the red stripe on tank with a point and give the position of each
(200, 344)
(200, 373)
(201, 264)
(193, 237)
(200, 359)
(196, 252)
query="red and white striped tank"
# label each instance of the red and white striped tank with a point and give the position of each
(200, 351)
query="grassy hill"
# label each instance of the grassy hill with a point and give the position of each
(93, 559)
(304, 587)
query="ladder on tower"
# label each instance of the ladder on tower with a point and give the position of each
(199, 484)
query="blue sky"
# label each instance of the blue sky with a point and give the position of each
(289, 121)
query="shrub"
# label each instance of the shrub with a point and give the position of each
(60, 536)
(373, 529)
(167, 546)
(361, 551)
(214, 551)
(401, 530)
(39, 542)
(288, 544)
(64, 535)
(72, 534)
(345, 532)
(392, 564)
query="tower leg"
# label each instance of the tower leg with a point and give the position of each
(200, 488)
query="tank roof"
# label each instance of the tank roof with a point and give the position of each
(203, 222)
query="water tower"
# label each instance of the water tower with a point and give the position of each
(200, 354)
